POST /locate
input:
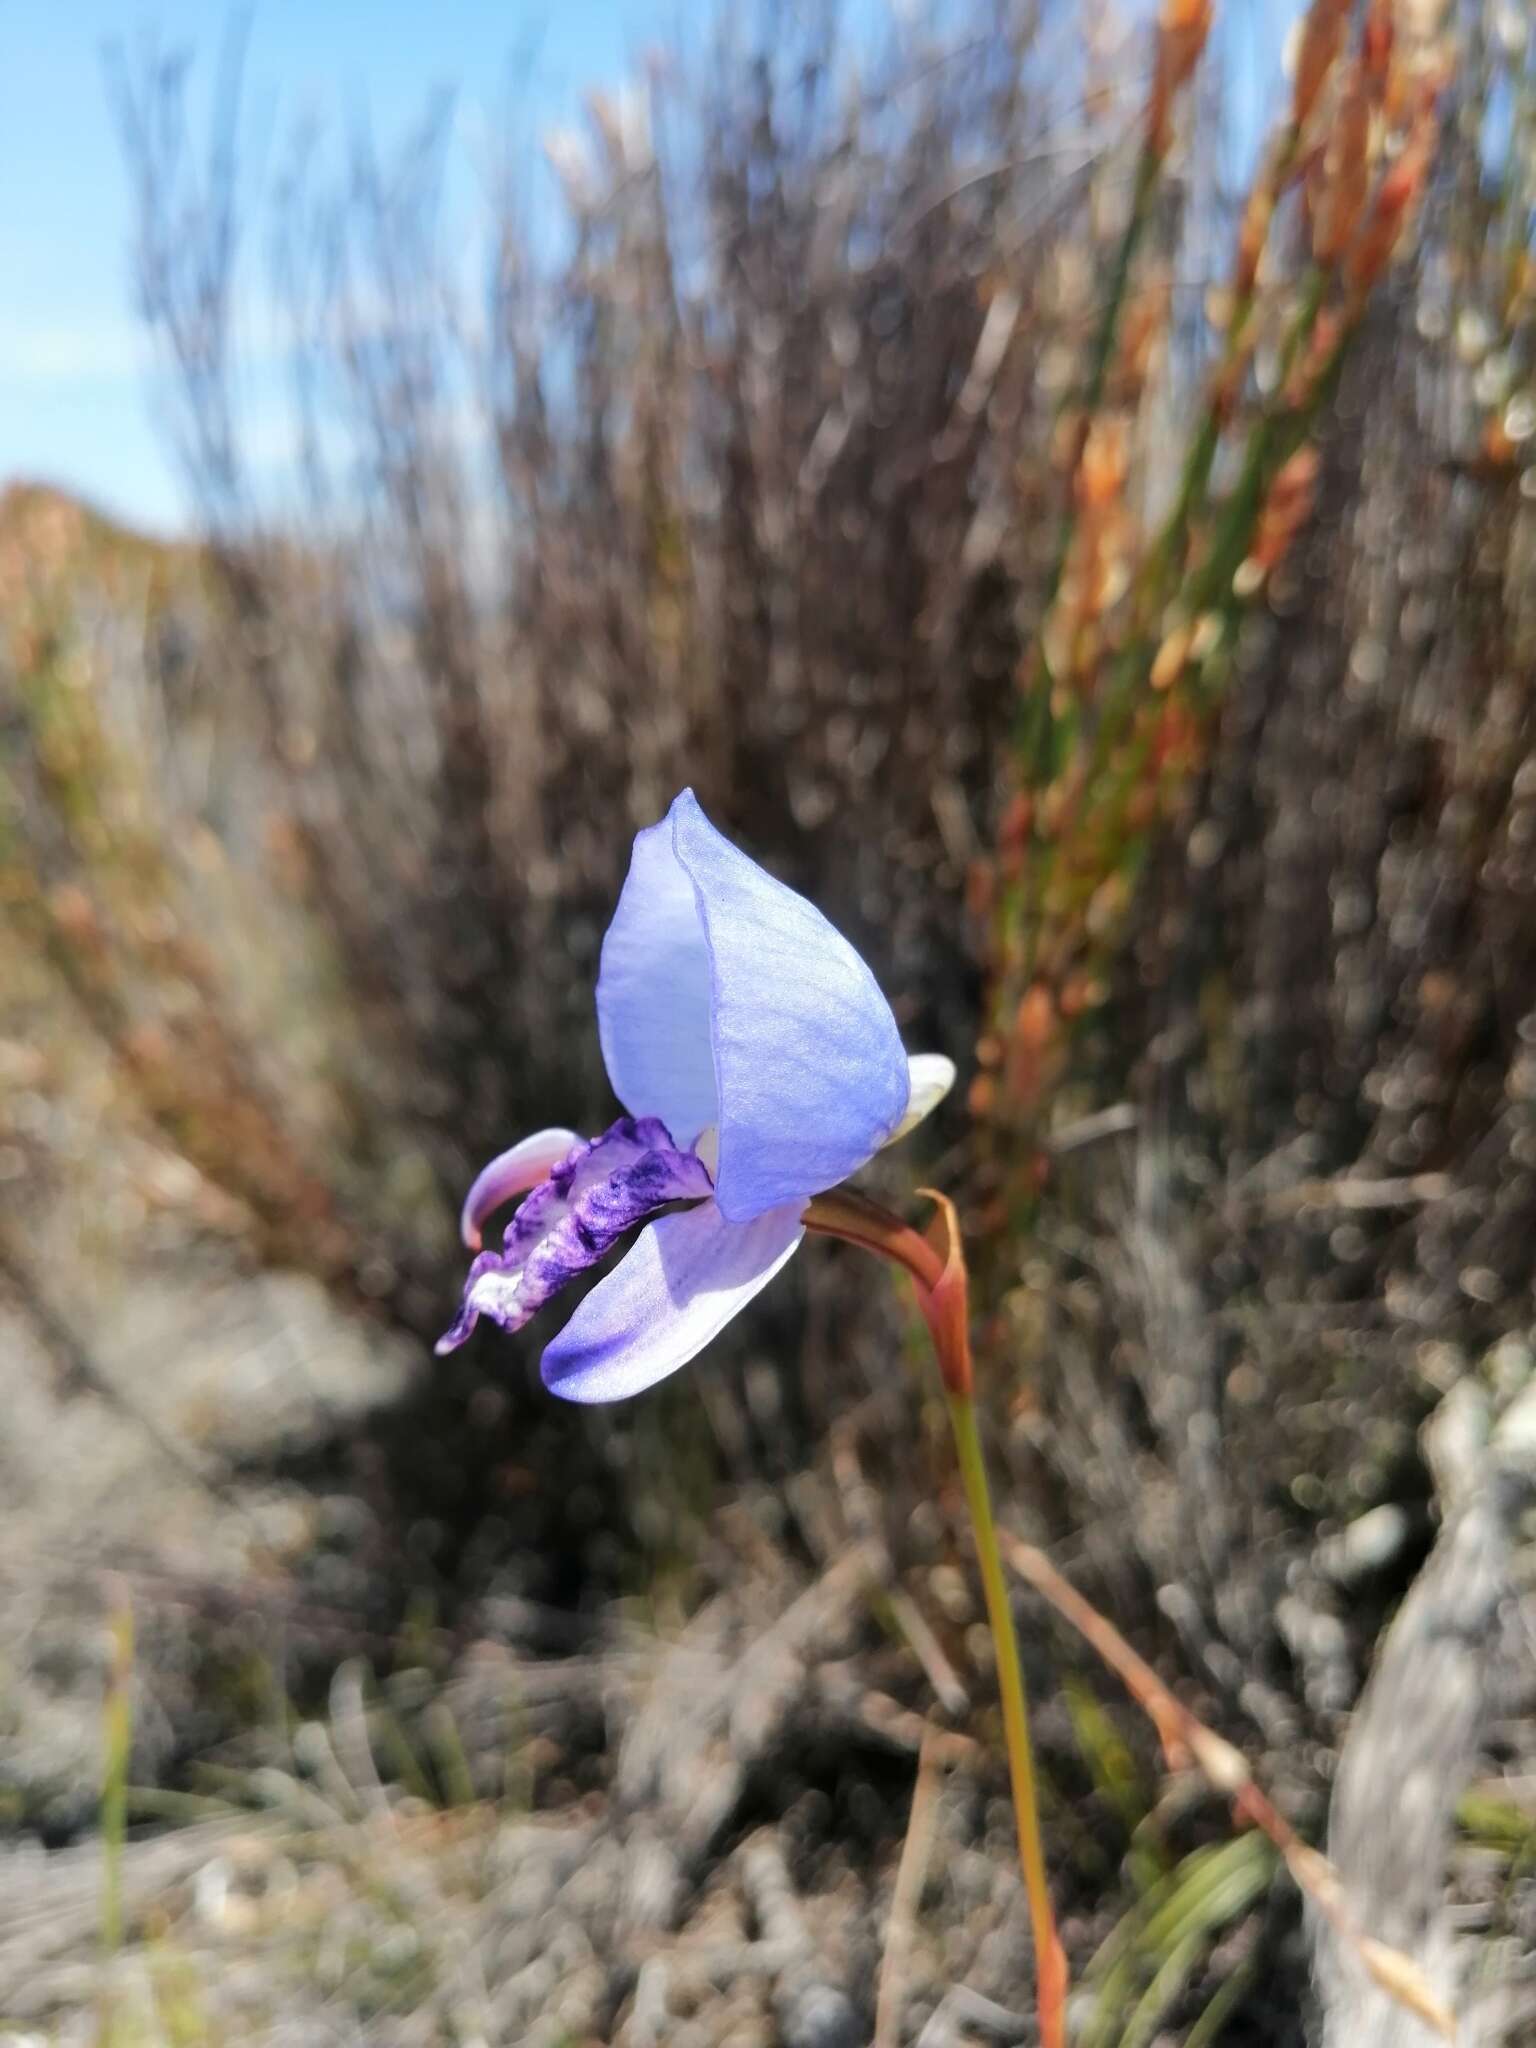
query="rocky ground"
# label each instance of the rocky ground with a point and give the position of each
(385, 1782)
(777, 1818)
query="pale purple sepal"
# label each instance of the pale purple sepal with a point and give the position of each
(601, 1189)
(748, 1011)
(681, 1282)
(511, 1173)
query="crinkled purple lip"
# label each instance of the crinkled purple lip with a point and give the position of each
(599, 1191)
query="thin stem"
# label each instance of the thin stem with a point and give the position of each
(1050, 1960)
(1034, 732)
(942, 1293)
(117, 1745)
(1030, 735)
(1195, 479)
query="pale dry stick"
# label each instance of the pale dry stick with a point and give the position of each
(962, 2007)
(1115, 1121)
(846, 1698)
(902, 1609)
(1183, 1736)
(908, 1890)
(928, 1650)
(351, 1742)
(1400, 1191)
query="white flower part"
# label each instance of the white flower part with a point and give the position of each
(497, 1295)
(511, 1173)
(932, 1078)
(707, 1149)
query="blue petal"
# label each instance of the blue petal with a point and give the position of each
(809, 1065)
(678, 1286)
(653, 994)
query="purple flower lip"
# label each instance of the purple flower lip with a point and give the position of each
(574, 1216)
(738, 1029)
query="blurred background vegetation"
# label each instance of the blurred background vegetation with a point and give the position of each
(1084, 539)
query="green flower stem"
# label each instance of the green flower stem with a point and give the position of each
(942, 1292)
(1050, 1961)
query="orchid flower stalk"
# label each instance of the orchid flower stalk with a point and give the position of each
(942, 1289)
(759, 1066)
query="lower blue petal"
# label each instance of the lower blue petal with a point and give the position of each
(683, 1280)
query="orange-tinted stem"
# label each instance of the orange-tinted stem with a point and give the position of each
(942, 1292)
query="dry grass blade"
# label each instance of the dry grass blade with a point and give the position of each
(908, 1890)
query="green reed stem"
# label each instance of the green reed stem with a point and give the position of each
(1195, 478)
(1035, 738)
(1050, 1960)
(117, 1747)
(1033, 730)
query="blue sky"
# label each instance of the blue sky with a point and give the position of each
(74, 397)
(75, 370)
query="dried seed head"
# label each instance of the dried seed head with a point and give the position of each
(1106, 457)
(1035, 1022)
(1142, 331)
(980, 890)
(1344, 183)
(1172, 657)
(1317, 47)
(1376, 42)
(1396, 197)
(1018, 818)
(1182, 29)
(1252, 236)
(1225, 1767)
(1401, 1978)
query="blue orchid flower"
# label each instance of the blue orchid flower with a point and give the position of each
(760, 1065)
